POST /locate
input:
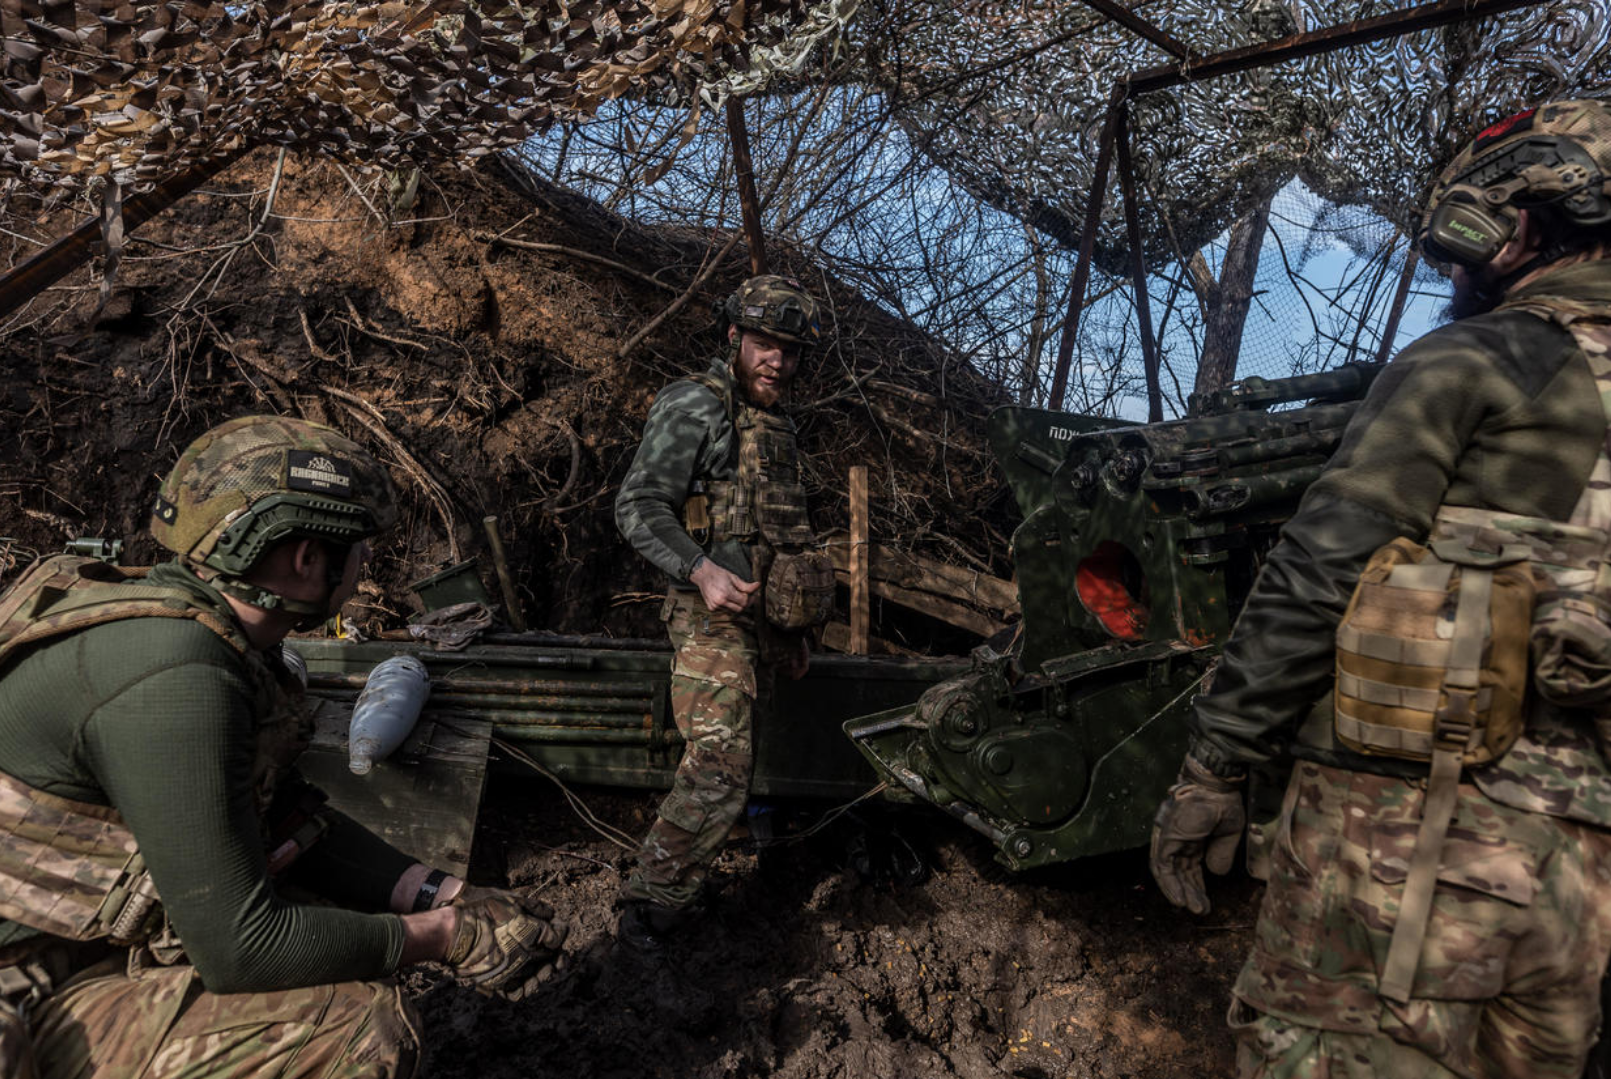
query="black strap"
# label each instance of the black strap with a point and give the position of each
(425, 898)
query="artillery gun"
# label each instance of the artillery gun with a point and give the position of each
(1138, 546)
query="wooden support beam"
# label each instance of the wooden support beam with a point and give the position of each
(39, 271)
(1396, 312)
(836, 636)
(744, 169)
(963, 617)
(860, 613)
(914, 571)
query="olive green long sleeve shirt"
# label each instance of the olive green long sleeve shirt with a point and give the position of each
(1498, 412)
(156, 718)
(687, 438)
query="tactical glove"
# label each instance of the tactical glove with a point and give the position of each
(507, 942)
(1201, 820)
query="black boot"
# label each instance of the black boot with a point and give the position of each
(647, 926)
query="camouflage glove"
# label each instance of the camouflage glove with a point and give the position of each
(1201, 820)
(507, 942)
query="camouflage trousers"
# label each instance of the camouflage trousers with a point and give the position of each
(713, 690)
(1508, 982)
(159, 1023)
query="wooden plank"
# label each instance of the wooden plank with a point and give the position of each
(930, 575)
(836, 636)
(934, 606)
(860, 605)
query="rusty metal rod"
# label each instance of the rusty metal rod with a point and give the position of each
(1326, 39)
(1396, 312)
(1136, 24)
(1082, 268)
(744, 170)
(575, 736)
(1138, 265)
(39, 271)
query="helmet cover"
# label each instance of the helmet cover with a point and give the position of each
(777, 306)
(252, 481)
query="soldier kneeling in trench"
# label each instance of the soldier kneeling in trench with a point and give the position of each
(153, 833)
(714, 499)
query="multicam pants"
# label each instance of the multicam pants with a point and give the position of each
(1508, 982)
(159, 1023)
(713, 691)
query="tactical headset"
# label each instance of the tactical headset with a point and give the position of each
(1521, 162)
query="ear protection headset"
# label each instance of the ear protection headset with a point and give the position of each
(1521, 162)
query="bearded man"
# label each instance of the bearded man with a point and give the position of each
(714, 500)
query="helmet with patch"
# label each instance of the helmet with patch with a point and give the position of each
(249, 483)
(1556, 155)
(777, 306)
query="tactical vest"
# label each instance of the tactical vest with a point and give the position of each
(73, 869)
(764, 507)
(764, 504)
(1440, 643)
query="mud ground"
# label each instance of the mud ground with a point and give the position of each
(807, 967)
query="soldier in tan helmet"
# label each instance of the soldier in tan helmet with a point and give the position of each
(1431, 640)
(714, 499)
(156, 842)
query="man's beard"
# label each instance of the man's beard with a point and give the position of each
(757, 395)
(1476, 294)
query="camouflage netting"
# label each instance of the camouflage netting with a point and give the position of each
(1364, 125)
(139, 92)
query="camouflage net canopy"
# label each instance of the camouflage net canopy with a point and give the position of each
(1367, 125)
(140, 92)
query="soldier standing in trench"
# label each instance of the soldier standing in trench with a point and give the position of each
(156, 844)
(1386, 945)
(714, 500)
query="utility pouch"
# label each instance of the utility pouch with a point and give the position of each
(799, 590)
(1432, 665)
(696, 515)
(1434, 630)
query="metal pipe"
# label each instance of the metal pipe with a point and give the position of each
(1326, 39)
(1390, 331)
(518, 688)
(1234, 496)
(1137, 25)
(1316, 442)
(1138, 266)
(1082, 268)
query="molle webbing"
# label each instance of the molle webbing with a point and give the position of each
(67, 593)
(765, 500)
(70, 868)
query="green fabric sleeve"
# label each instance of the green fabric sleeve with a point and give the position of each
(173, 751)
(1490, 412)
(684, 438)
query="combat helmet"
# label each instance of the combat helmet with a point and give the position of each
(777, 306)
(249, 483)
(1557, 155)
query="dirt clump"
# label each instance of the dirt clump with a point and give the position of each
(805, 968)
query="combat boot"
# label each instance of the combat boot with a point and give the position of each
(647, 926)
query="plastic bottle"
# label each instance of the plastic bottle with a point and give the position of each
(386, 711)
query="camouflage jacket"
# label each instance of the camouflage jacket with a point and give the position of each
(687, 439)
(159, 719)
(1497, 412)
